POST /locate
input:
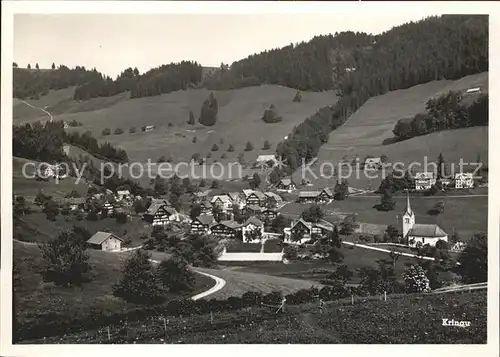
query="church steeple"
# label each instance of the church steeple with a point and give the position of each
(408, 210)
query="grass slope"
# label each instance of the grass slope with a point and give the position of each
(239, 119)
(366, 130)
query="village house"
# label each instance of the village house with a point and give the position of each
(420, 234)
(105, 241)
(237, 198)
(264, 159)
(122, 195)
(108, 207)
(308, 196)
(285, 185)
(273, 200)
(268, 214)
(202, 224)
(227, 229)
(75, 203)
(257, 198)
(149, 127)
(301, 231)
(372, 163)
(206, 208)
(325, 196)
(250, 225)
(222, 201)
(198, 197)
(424, 181)
(160, 213)
(464, 180)
(253, 210)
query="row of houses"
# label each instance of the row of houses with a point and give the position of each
(425, 180)
(161, 212)
(323, 196)
(247, 199)
(301, 231)
(206, 224)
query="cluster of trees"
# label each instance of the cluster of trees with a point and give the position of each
(159, 80)
(209, 110)
(445, 112)
(90, 144)
(445, 47)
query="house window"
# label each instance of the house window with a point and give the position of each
(407, 220)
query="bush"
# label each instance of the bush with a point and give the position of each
(290, 252)
(121, 217)
(170, 125)
(175, 276)
(215, 147)
(230, 148)
(132, 130)
(106, 131)
(267, 145)
(249, 146)
(223, 156)
(416, 280)
(298, 97)
(195, 139)
(271, 116)
(118, 131)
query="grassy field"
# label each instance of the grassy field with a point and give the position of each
(465, 215)
(239, 120)
(36, 299)
(401, 320)
(237, 283)
(370, 126)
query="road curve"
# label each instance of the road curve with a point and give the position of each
(219, 284)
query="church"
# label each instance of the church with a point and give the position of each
(420, 234)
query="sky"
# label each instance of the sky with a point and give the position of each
(113, 42)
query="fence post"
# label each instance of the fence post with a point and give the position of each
(211, 318)
(385, 296)
(352, 299)
(109, 334)
(165, 324)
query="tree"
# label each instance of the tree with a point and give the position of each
(341, 191)
(67, 261)
(175, 192)
(333, 238)
(160, 185)
(253, 235)
(20, 207)
(132, 130)
(473, 260)
(348, 225)
(383, 158)
(314, 214)
(215, 184)
(217, 213)
(230, 148)
(215, 147)
(121, 217)
(170, 124)
(271, 115)
(249, 146)
(29, 66)
(106, 131)
(161, 159)
(202, 183)
(195, 139)
(387, 203)
(391, 234)
(14, 64)
(437, 209)
(267, 145)
(53, 66)
(255, 181)
(195, 211)
(416, 280)
(118, 131)
(209, 110)
(175, 276)
(51, 210)
(139, 206)
(36, 66)
(279, 223)
(298, 97)
(191, 120)
(290, 252)
(139, 283)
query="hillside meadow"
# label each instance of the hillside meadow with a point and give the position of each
(239, 120)
(369, 132)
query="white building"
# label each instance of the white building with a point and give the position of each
(420, 234)
(424, 181)
(266, 158)
(373, 163)
(464, 180)
(122, 195)
(250, 225)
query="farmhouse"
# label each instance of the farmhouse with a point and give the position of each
(122, 195)
(206, 208)
(301, 231)
(256, 198)
(237, 198)
(253, 210)
(108, 208)
(420, 234)
(75, 203)
(105, 241)
(197, 197)
(250, 225)
(227, 229)
(308, 196)
(373, 163)
(149, 127)
(263, 159)
(325, 196)
(47, 170)
(201, 224)
(464, 180)
(273, 200)
(286, 185)
(160, 213)
(424, 181)
(222, 201)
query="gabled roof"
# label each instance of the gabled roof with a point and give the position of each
(408, 210)
(326, 227)
(123, 192)
(301, 220)
(307, 194)
(206, 204)
(372, 160)
(253, 220)
(426, 230)
(229, 224)
(156, 206)
(247, 192)
(276, 197)
(100, 237)
(233, 196)
(260, 195)
(254, 208)
(222, 198)
(206, 220)
(463, 176)
(75, 200)
(266, 158)
(328, 191)
(424, 175)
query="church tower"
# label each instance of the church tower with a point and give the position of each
(408, 217)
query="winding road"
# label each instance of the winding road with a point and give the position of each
(42, 109)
